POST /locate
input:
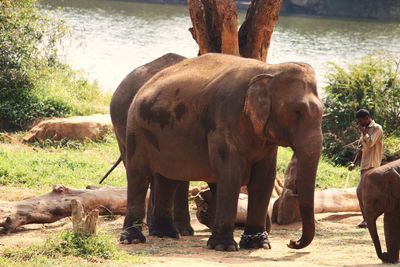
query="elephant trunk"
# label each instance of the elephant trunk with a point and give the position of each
(307, 160)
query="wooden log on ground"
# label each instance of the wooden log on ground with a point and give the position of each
(64, 202)
(329, 200)
(57, 205)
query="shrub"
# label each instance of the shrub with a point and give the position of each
(67, 244)
(373, 84)
(32, 82)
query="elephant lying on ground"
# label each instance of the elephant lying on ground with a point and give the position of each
(120, 103)
(379, 193)
(220, 119)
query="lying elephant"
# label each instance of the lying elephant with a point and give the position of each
(120, 103)
(223, 116)
(379, 193)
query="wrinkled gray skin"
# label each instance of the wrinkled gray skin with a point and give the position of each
(120, 103)
(379, 193)
(223, 116)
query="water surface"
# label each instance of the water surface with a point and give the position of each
(111, 38)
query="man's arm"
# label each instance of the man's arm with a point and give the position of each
(356, 160)
(370, 140)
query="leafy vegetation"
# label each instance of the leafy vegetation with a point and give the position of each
(33, 83)
(373, 84)
(67, 244)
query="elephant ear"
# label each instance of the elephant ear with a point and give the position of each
(258, 102)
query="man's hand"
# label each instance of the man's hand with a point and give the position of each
(351, 167)
(363, 130)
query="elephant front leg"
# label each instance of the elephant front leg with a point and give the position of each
(229, 168)
(392, 236)
(181, 210)
(260, 188)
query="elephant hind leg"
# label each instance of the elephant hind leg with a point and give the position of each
(392, 236)
(162, 219)
(181, 209)
(137, 177)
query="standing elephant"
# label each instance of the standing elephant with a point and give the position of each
(223, 117)
(380, 194)
(120, 103)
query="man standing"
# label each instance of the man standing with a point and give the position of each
(370, 148)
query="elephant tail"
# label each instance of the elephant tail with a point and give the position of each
(111, 169)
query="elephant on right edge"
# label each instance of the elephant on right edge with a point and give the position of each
(379, 193)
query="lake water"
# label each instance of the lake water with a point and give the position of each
(110, 38)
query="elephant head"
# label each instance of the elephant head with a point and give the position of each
(284, 108)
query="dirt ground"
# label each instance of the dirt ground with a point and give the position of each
(337, 243)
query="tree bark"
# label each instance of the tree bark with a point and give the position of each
(90, 224)
(214, 26)
(256, 31)
(77, 215)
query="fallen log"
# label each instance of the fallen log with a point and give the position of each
(57, 205)
(329, 200)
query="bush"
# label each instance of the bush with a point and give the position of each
(373, 84)
(68, 244)
(32, 82)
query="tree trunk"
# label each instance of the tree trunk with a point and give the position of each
(215, 27)
(256, 31)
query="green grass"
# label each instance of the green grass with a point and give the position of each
(328, 175)
(67, 248)
(72, 164)
(77, 164)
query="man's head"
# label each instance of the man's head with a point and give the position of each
(363, 117)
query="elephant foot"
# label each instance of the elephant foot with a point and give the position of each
(254, 241)
(132, 235)
(222, 242)
(163, 228)
(185, 229)
(386, 258)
